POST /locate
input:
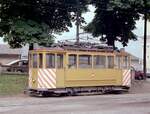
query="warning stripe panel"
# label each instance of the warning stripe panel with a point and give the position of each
(47, 78)
(52, 72)
(126, 75)
(43, 81)
(30, 78)
(126, 78)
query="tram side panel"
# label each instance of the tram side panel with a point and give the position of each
(95, 77)
(44, 79)
(60, 78)
(52, 78)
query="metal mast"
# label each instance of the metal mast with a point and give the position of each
(77, 22)
(145, 39)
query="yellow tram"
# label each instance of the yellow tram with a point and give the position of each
(73, 70)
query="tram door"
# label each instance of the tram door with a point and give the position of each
(47, 71)
(60, 69)
(33, 70)
(52, 72)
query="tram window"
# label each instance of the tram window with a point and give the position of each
(72, 61)
(34, 60)
(118, 62)
(99, 61)
(128, 62)
(110, 61)
(125, 62)
(40, 60)
(50, 60)
(85, 61)
(59, 60)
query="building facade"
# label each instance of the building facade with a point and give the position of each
(8, 54)
(148, 54)
(136, 63)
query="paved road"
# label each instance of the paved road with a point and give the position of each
(98, 104)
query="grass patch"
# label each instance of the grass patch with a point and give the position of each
(12, 84)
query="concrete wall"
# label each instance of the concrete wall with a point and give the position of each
(136, 64)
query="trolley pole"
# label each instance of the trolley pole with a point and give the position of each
(145, 39)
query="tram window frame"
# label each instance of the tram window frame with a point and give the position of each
(40, 60)
(35, 60)
(60, 61)
(50, 62)
(118, 60)
(110, 64)
(125, 64)
(85, 65)
(101, 62)
(72, 65)
(30, 61)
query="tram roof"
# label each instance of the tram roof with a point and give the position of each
(82, 47)
(68, 48)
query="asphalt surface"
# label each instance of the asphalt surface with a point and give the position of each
(137, 101)
(96, 104)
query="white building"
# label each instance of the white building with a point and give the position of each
(148, 48)
(136, 62)
(148, 54)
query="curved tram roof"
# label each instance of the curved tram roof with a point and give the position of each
(88, 47)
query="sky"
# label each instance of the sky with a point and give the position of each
(134, 47)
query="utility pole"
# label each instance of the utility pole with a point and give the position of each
(77, 22)
(145, 38)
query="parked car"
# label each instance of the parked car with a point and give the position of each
(139, 75)
(17, 66)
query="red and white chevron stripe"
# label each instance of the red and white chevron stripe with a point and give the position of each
(30, 78)
(126, 78)
(47, 78)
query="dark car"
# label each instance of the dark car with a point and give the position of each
(139, 75)
(17, 66)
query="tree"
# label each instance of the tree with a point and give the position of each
(35, 21)
(114, 20)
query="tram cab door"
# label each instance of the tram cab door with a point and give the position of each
(60, 69)
(53, 70)
(33, 70)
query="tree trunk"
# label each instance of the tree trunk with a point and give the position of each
(111, 41)
(31, 46)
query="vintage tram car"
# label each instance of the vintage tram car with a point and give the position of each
(73, 69)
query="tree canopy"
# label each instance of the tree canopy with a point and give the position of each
(36, 21)
(115, 20)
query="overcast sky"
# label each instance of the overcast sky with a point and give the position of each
(133, 47)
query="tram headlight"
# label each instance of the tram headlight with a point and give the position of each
(33, 80)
